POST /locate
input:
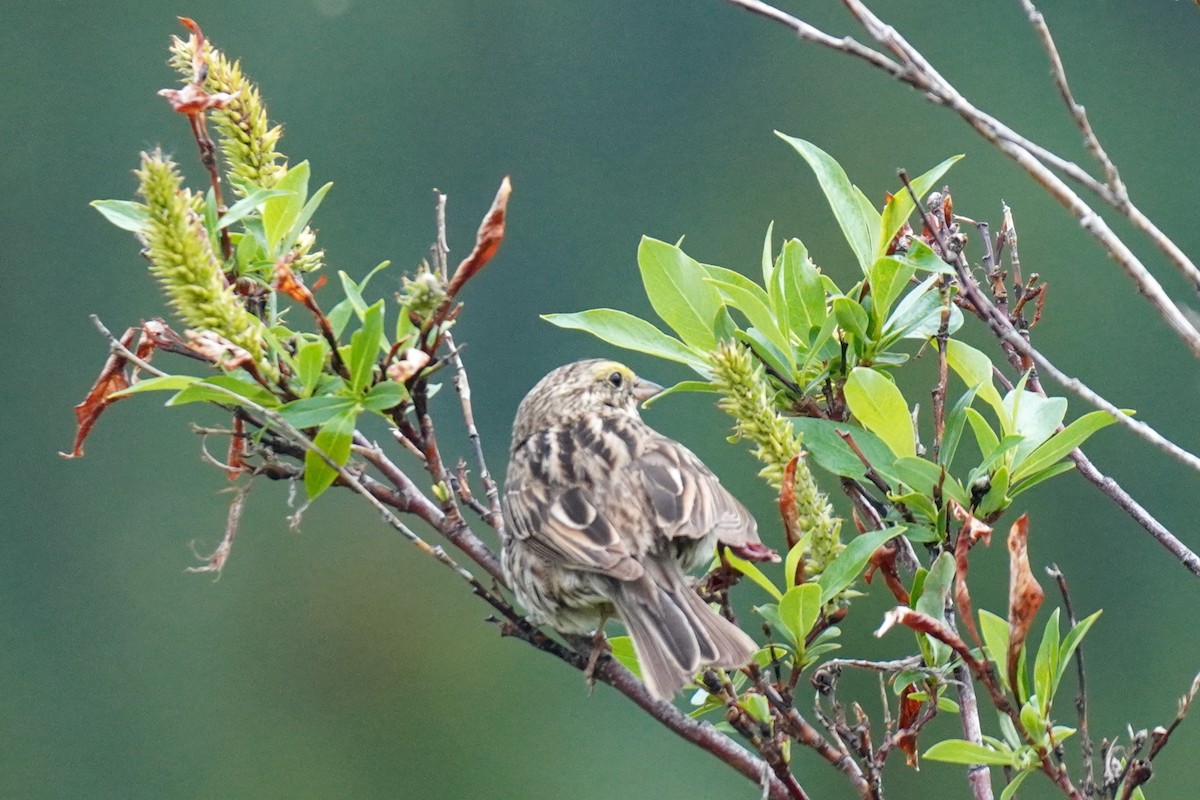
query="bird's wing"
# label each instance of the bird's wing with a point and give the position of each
(687, 500)
(565, 525)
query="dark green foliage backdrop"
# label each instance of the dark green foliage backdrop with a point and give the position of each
(336, 662)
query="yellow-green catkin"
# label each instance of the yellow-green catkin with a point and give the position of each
(248, 140)
(748, 398)
(182, 259)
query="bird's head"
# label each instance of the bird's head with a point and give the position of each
(595, 386)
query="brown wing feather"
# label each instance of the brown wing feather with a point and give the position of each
(688, 500)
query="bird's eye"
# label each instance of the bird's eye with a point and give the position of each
(616, 379)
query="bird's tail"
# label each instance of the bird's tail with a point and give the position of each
(675, 632)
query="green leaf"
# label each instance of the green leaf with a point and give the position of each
(306, 214)
(920, 256)
(757, 707)
(753, 573)
(622, 650)
(333, 440)
(248, 205)
(996, 498)
(1045, 664)
(681, 387)
(280, 212)
(799, 609)
(849, 564)
(881, 409)
(311, 412)
(630, 332)
(889, 277)
(756, 306)
(798, 284)
(985, 437)
(994, 631)
(1034, 417)
(832, 453)
(960, 751)
(364, 347)
(932, 602)
(900, 207)
(310, 362)
(955, 421)
(1062, 443)
(853, 319)
(125, 214)
(975, 369)
(225, 389)
(794, 556)
(859, 223)
(1010, 791)
(1040, 476)
(164, 383)
(768, 263)
(385, 395)
(1070, 642)
(676, 288)
(770, 612)
(919, 314)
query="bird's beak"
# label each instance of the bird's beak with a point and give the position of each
(643, 390)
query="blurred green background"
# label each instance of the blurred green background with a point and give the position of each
(338, 662)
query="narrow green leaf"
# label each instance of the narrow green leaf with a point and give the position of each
(680, 388)
(248, 205)
(280, 211)
(889, 277)
(306, 214)
(310, 362)
(799, 284)
(985, 437)
(849, 564)
(1062, 443)
(1010, 791)
(630, 332)
(768, 263)
(918, 315)
(955, 421)
(752, 572)
(311, 412)
(901, 206)
(1070, 642)
(334, 440)
(364, 347)
(994, 631)
(125, 214)
(932, 602)
(1045, 664)
(859, 224)
(881, 409)
(164, 383)
(225, 389)
(1040, 476)
(770, 612)
(755, 305)
(676, 288)
(960, 751)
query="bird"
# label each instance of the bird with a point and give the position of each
(604, 515)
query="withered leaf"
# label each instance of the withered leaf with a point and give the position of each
(972, 531)
(112, 378)
(487, 240)
(906, 739)
(1024, 594)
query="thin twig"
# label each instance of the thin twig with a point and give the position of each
(1088, 784)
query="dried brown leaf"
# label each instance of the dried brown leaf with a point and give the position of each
(112, 378)
(1024, 593)
(487, 240)
(972, 531)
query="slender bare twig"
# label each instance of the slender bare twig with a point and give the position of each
(1002, 327)
(911, 67)
(1088, 784)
